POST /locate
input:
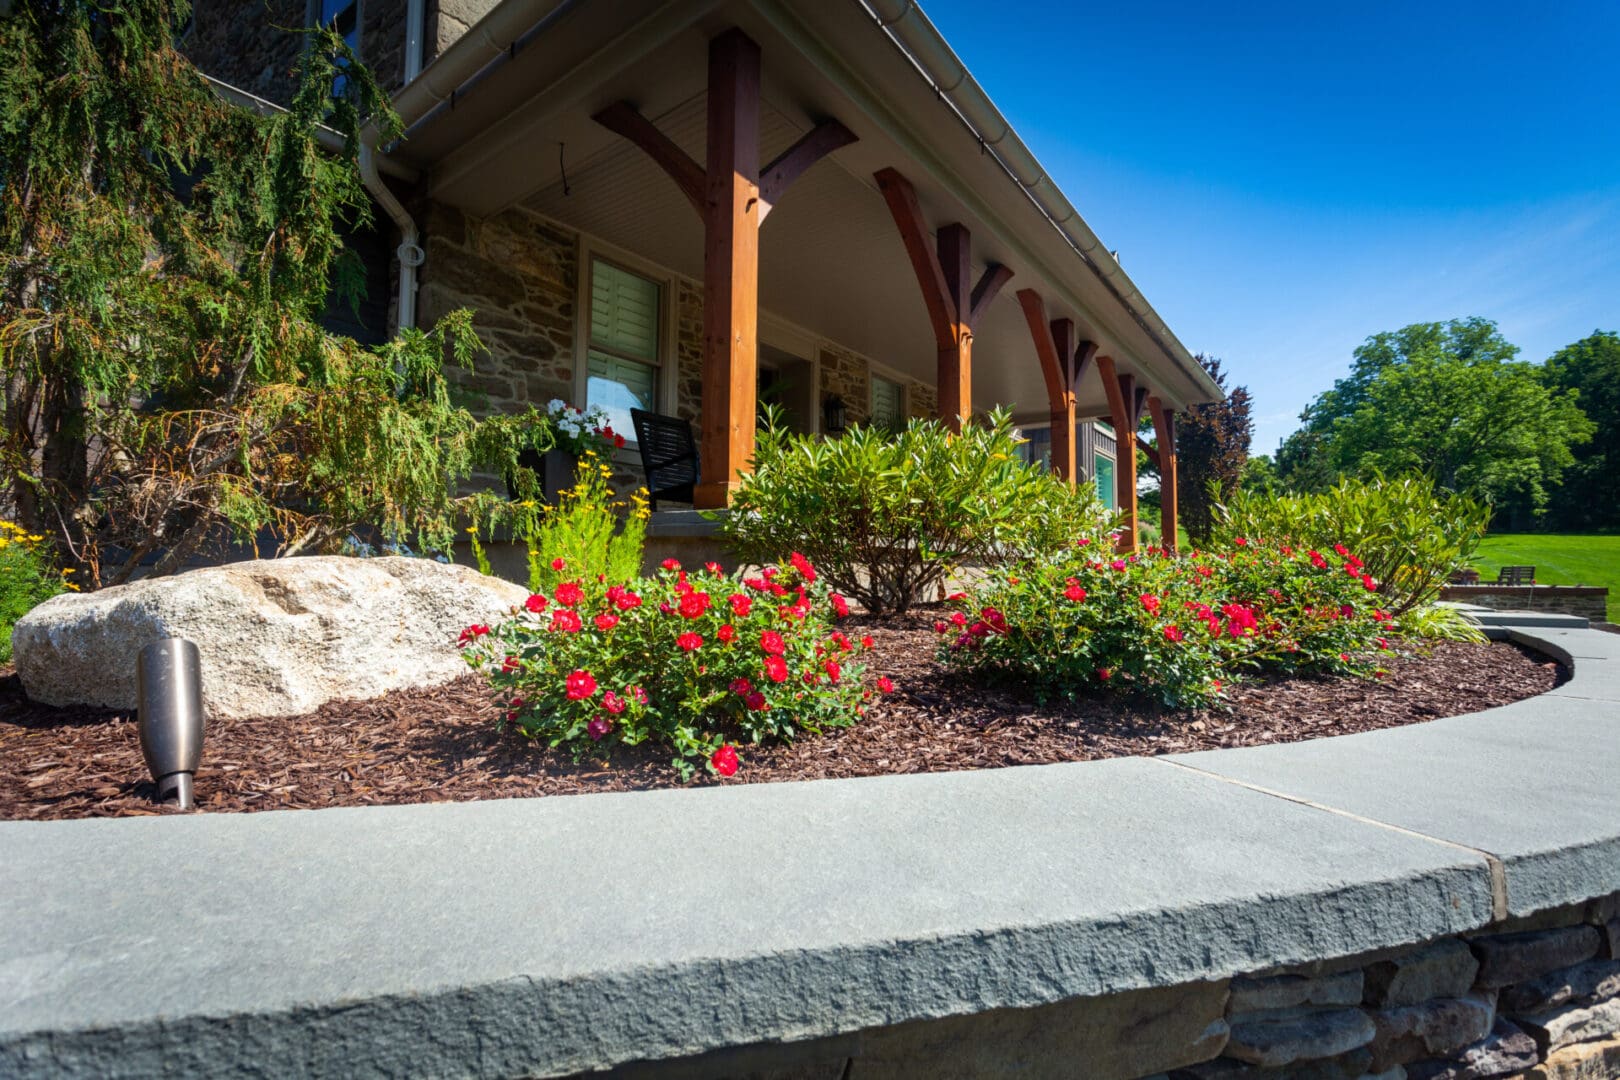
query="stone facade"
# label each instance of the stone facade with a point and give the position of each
(519, 273)
(689, 351)
(237, 42)
(1585, 601)
(847, 375)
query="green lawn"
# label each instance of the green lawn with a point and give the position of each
(1559, 560)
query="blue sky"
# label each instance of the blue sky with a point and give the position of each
(1283, 180)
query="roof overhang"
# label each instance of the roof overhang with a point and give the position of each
(497, 118)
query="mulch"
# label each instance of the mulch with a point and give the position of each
(440, 744)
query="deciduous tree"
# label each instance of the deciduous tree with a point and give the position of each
(1212, 445)
(1590, 495)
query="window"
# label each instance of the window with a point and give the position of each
(1105, 482)
(342, 16)
(888, 404)
(1037, 446)
(621, 359)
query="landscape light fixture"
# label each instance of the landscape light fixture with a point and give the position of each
(833, 415)
(168, 681)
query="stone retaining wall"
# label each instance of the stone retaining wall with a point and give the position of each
(1587, 601)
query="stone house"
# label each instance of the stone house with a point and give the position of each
(594, 179)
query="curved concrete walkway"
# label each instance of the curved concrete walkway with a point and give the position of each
(548, 936)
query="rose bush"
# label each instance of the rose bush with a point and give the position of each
(696, 661)
(1181, 628)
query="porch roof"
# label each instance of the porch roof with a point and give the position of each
(502, 119)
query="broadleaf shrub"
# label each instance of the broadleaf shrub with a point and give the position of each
(1412, 534)
(1179, 628)
(887, 516)
(693, 661)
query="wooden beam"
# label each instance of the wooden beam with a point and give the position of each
(955, 247)
(1139, 404)
(730, 268)
(1164, 430)
(990, 282)
(1084, 354)
(908, 217)
(1149, 449)
(621, 118)
(790, 164)
(1120, 389)
(1053, 341)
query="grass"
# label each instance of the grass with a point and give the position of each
(1559, 560)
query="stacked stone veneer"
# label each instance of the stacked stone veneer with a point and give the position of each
(1586, 601)
(1537, 998)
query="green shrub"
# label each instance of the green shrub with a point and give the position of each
(887, 516)
(28, 577)
(690, 661)
(1182, 629)
(1412, 535)
(589, 534)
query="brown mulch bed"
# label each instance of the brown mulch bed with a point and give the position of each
(440, 744)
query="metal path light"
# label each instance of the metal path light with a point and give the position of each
(168, 678)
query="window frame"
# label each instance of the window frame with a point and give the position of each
(665, 366)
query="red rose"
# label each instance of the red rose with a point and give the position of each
(866, 641)
(776, 668)
(755, 701)
(727, 632)
(472, 634)
(510, 664)
(802, 565)
(740, 604)
(1340, 550)
(569, 593)
(671, 564)
(1172, 633)
(741, 687)
(1118, 564)
(1346, 611)
(840, 605)
(1150, 602)
(772, 642)
(724, 760)
(1368, 583)
(536, 603)
(694, 604)
(1074, 591)
(1240, 541)
(606, 621)
(627, 600)
(958, 618)
(940, 627)
(834, 672)
(580, 685)
(598, 728)
(613, 703)
(636, 692)
(713, 568)
(885, 684)
(557, 564)
(1317, 560)
(566, 621)
(689, 641)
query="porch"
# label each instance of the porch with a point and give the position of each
(694, 208)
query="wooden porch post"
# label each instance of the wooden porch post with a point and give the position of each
(1164, 430)
(733, 195)
(1122, 413)
(1063, 363)
(943, 271)
(730, 268)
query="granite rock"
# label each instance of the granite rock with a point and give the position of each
(1289, 991)
(1582, 984)
(1561, 1027)
(1582, 1061)
(1432, 1029)
(1505, 959)
(1323, 1034)
(1506, 1051)
(276, 637)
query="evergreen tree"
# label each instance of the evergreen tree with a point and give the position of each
(1212, 445)
(168, 385)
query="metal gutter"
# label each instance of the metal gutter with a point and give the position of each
(329, 138)
(910, 30)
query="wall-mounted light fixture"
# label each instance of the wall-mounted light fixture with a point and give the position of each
(834, 416)
(168, 679)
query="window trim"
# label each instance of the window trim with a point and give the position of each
(588, 251)
(902, 393)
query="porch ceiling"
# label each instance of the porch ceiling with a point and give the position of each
(831, 260)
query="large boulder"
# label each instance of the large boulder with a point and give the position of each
(277, 637)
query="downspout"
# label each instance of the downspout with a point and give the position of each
(492, 39)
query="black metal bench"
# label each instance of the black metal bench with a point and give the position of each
(669, 456)
(1516, 575)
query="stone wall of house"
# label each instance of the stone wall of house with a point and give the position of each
(1585, 601)
(237, 42)
(448, 20)
(382, 41)
(689, 351)
(847, 375)
(520, 275)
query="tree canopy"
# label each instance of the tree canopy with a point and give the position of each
(1590, 368)
(1212, 445)
(1448, 400)
(168, 385)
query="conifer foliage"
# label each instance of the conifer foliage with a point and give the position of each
(168, 386)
